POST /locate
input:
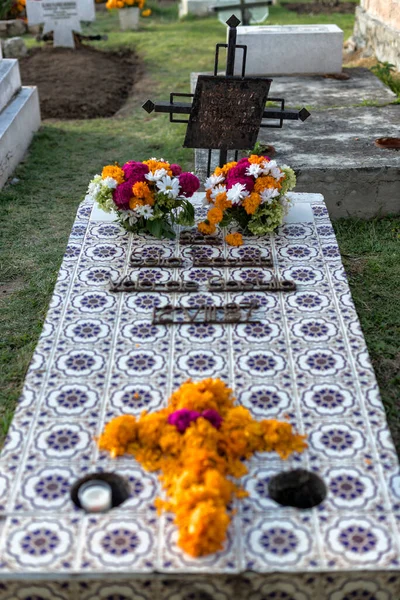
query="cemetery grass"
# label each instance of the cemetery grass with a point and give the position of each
(37, 211)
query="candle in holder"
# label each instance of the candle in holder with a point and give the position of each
(95, 496)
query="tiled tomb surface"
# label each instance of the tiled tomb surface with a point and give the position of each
(100, 356)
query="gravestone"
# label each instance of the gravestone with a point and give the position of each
(19, 116)
(292, 49)
(62, 17)
(250, 12)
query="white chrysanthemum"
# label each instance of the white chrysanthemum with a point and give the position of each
(212, 181)
(237, 193)
(144, 211)
(157, 175)
(129, 215)
(110, 182)
(271, 168)
(286, 203)
(219, 189)
(169, 186)
(268, 195)
(95, 186)
(254, 170)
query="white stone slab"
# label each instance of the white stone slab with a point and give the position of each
(291, 49)
(200, 8)
(18, 122)
(10, 80)
(62, 17)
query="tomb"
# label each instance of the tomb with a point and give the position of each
(62, 17)
(19, 116)
(296, 353)
(292, 49)
(377, 29)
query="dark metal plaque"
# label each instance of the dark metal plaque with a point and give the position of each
(226, 112)
(227, 313)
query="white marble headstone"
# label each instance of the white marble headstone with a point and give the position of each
(63, 17)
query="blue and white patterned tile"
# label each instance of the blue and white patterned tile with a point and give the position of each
(283, 587)
(362, 541)
(8, 483)
(25, 590)
(147, 589)
(268, 401)
(63, 441)
(127, 542)
(280, 543)
(210, 588)
(366, 586)
(336, 440)
(35, 544)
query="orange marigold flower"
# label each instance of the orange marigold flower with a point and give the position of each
(262, 183)
(154, 165)
(234, 239)
(197, 464)
(206, 228)
(222, 202)
(113, 171)
(134, 202)
(208, 196)
(224, 170)
(141, 190)
(214, 215)
(146, 13)
(257, 160)
(251, 203)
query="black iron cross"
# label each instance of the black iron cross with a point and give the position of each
(243, 7)
(227, 111)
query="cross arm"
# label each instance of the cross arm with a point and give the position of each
(185, 108)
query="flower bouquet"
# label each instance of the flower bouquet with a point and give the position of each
(252, 193)
(147, 196)
(199, 442)
(119, 4)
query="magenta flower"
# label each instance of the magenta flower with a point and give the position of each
(213, 417)
(176, 170)
(247, 181)
(239, 170)
(182, 418)
(135, 171)
(122, 194)
(189, 184)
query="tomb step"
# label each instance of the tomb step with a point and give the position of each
(10, 80)
(18, 122)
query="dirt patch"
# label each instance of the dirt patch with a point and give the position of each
(80, 84)
(315, 8)
(6, 289)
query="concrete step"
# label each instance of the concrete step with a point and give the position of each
(18, 122)
(10, 80)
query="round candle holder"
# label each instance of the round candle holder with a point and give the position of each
(100, 492)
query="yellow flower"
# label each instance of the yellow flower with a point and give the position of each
(234, 239)
(154, 165)
(113, 171)
(224, 170)
(143, 193)
(256, 160)
(222, 202)
(251, 203)
(214, 215)
(198, 465)
(206, 228)
(262, 183)
(146, 13)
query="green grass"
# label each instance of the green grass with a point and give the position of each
(36, 214)
(371, 256)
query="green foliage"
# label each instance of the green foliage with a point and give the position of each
(5, 8)
(385, 71)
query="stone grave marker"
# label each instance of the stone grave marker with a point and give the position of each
(250, 12)
(292, 49)
(62, 17)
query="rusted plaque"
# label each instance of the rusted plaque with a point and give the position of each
(226, 112)
(227, 313)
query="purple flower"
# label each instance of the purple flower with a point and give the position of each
(122, 194)
(189, 184)
(135, 171)
(213, 417)
(176, 170)
(182, 418)
(239, 170)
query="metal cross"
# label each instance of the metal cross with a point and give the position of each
(243, 7)
(227, 111)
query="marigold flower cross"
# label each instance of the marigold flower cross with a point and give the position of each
(198, 443)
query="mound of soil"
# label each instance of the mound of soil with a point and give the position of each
(80, 84)
(316, 8)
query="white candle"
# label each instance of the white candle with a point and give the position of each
(95, 496)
